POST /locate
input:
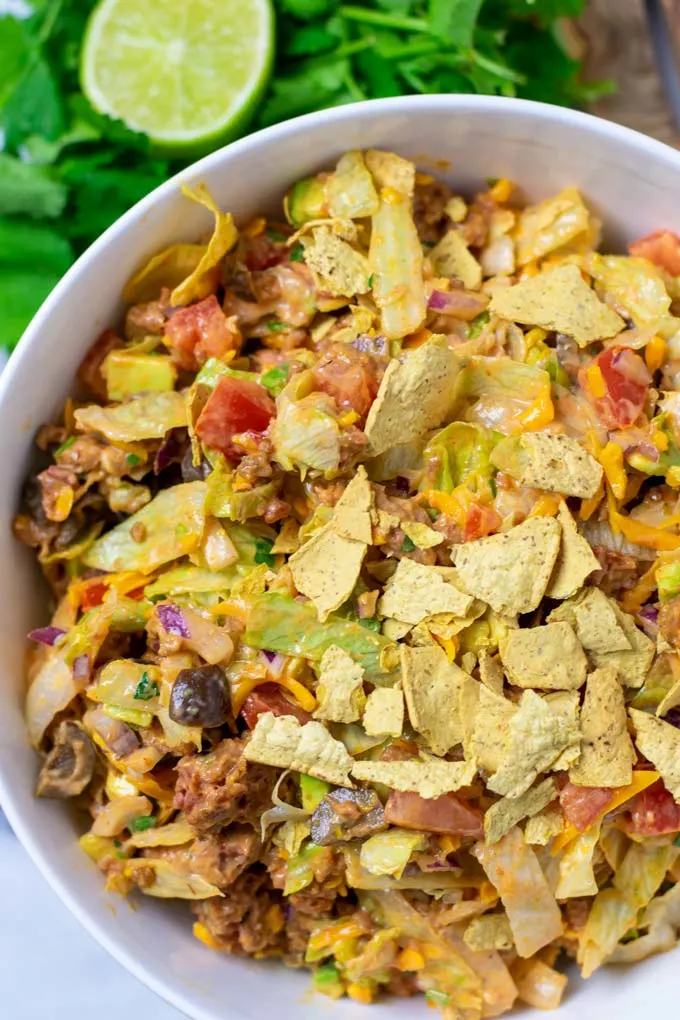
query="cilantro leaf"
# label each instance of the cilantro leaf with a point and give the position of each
(454, 20)
(146, 688)
(29, 189)
(263, 552)
(142, 824)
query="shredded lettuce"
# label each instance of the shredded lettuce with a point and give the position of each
(668, 580)
(146, 417)
(225, 502)
(204, 278)
(305, 433)
(300, 869)
(508, 396)
(611, 916)
(388, 853)
(458, 453)
(279, 623)
(212, 371)
(634, 285)
(642, 871)
(312, 791)
(172, 525)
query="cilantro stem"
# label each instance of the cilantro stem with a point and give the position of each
(500, 70)
(404, 24)
(354, 89)
(409, 51)
(349, 49)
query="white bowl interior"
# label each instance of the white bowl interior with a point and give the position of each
(629, 179)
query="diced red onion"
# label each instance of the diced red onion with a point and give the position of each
(673, 717)
(438, 300)
(81, 666)
(172, 619)
(631, 365)
(170, 451)
(462, 304)
(646, 450)
(46, 635)
(650, 613)
(269, 656)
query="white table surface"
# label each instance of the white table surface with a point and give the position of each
(50, 968)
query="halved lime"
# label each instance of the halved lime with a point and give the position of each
(187, 73)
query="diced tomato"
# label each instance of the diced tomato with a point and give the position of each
(627, 380)
(93, 595)
(583, 804)
(481, 520)
(654, 812)
(199, 332)
(446, 815)
(234, 406)
(270, 698)
(349, 376)
(662, 247)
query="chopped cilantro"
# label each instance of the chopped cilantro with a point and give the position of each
(275, 235)
(297, 253)
(277, 327)
(477, 325)
(408, 545)
(491, 181)
(371, 279)
(146, 688)
(275, 379)
(263, 552)
(142, 824)
(65, 445)
(433, 513)
(132, 460)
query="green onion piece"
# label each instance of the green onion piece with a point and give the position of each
(263, 553)
(65, 445)
(142, 824)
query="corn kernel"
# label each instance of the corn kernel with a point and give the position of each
(596, 383)
(204, 936)
(410, 959)
(275, 919)
(360, 993)
(673, 477)
(347, 419)
(63, 504)
(501, 190)
(655, 353)
(660, 440)
(534, 336)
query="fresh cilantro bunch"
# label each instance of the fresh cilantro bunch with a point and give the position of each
(66, 173)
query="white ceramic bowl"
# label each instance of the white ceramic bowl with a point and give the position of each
(631, 180)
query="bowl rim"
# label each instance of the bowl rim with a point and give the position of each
(602, 130)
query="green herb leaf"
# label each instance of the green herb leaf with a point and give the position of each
(132, 460)
(408, 545)
(275, 379)
(277, 327)
(263, 552)
(297, 253)
(146, 688)
(142, 824)
(454, 20)
(29, 189)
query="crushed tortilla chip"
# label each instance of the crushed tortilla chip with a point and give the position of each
(485, 720)
(488, 933)
(287, 540)
(538, 734)
(631, 665)
(432, 690)
(430, 778)
(559, 463)
(593, 615)
(566, 703)
(670, 700)
(416, 591)
(548, 657)
(326, 568)
(204, 279)
(422, 536)
(340, 692)
(395, 630)
(506, 813)
(607, 752)
(560, 300)
(390, 170)
(659, 742)
(452, 257)
(575, 560)
(415, 395)
(338, 267)
(352, 512)
(284, 742)
(541, 828)
(384, 712)
(511, 571)
(490, 672)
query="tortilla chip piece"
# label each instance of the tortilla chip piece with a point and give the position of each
(632, 666)
(491, 672)
(452, 257)
(326, 568)
(395, 630)
(488, 933)
(548, 657)
(415, 592)
(287, 540)
(432, 689)
(430, 778)
(567, 704)
(506, 813)
(607, 752)
(339, 268)
(511, 571)
(415, 395)
(309, 747)
(446, 625)
(659, 742)
(550, 224)
(559, 463)
(422, 536)
(485, 720)
(558, 299)
(384, 712)
(340, 692)
(575, 560)
(540, 829)
(352, 512)
(538, 734)
(390, 170)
